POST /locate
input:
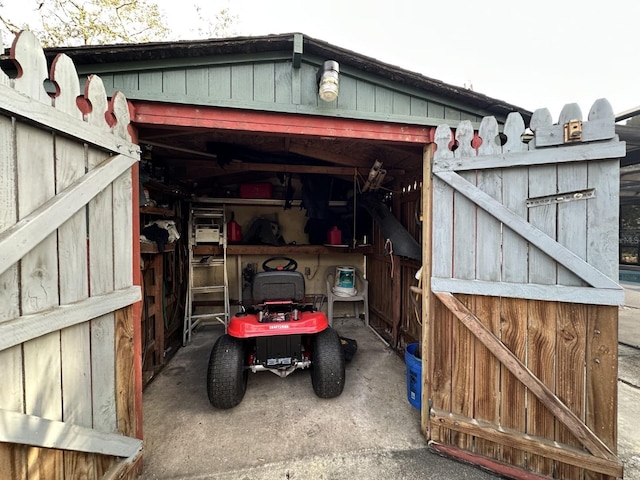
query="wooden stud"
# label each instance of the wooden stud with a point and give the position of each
(426, 340)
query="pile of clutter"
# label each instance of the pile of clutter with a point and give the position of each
(160, 232)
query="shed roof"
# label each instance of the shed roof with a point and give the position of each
(89, 58)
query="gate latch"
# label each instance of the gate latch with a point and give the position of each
(573, 131)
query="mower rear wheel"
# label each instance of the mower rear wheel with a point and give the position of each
(327, 364)
(227, 375)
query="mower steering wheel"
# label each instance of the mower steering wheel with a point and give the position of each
(291, 264)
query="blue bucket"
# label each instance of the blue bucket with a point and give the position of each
(414, 376)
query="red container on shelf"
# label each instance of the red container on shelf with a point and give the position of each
(256, 190)
(234, 232)
(334, 236)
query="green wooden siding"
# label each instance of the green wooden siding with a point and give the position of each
(219, 84)
(274, 85)
(126, 82)
(283, 83)
(175, 81)
(348, 96)
(149, 82)
(435, 110)
(197, 80)
(419, 107)
(310, 95)
(365, 96)
(401, 104)
(242, 83)
(383, 100)
(264, 85)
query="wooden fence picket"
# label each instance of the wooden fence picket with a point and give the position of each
(39, 267)
(71, 166)
(488, 267)
(11, 359)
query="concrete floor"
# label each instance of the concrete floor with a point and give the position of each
(629, 382)
(281, 430)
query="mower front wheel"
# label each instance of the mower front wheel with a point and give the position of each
(327, 364)
(227, 375)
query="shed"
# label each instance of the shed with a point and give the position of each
(238, 124)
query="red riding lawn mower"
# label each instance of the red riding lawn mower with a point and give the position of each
(279, 333)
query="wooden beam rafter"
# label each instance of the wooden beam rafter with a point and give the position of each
(255, 122)
(328, 156)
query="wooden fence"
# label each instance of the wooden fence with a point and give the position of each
(520, 326)
(70, 396)
(395, 310)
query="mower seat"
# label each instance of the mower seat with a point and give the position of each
(276, 286)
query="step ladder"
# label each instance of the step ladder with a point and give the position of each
(208, 285)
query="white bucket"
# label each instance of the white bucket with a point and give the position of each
(345, 284)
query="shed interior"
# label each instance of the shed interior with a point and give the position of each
(278, 178)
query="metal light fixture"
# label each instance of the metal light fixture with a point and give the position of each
(328, 84)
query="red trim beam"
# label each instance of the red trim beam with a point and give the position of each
(154, 113)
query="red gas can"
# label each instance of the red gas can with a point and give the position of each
(234, 231)
(334, 236)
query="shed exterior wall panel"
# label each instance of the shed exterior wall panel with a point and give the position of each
(270, 86)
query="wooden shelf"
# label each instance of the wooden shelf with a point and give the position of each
(284, 250)
(258, 202)
(153, 248)
(164, 212)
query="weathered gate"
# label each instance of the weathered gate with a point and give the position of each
(67, 399)
(520, 340)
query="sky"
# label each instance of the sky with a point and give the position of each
(541, 54)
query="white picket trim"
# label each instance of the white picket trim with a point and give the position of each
(573, 153)
(592, 131)
(25, 108)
